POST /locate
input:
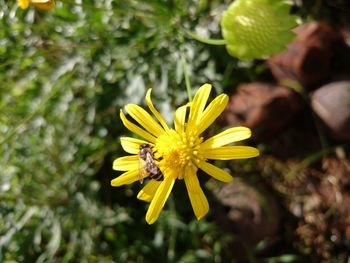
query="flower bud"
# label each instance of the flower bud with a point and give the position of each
(257, 28)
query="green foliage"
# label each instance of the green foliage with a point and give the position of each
(66, 74)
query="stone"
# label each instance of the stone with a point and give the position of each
(251, 214)
(307, 59)
(317, 34)
(331, 103)
(264, 107)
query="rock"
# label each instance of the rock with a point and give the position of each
(317, 34)
(306, 65)
(331, 103)
(307, 59)
(250, 214)
(264, 107)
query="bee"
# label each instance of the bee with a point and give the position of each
(148, 164)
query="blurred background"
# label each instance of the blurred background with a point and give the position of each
(66, 73)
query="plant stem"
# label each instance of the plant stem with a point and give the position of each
(301, 90)
(185, 68)
(173, 232)
(209, 41)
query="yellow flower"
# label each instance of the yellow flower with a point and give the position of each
(41, 4)
(180, 151)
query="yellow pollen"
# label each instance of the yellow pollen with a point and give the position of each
(177, 152)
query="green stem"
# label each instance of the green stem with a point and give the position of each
(173, 232)
(209, 41)
(314, 157)
(185, 68)
(320, 132)
(187, 77)
(301, 90)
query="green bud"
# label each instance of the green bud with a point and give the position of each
(257, 28)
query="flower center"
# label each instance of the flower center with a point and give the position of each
(178, 151)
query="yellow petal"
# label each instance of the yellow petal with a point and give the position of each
(231, 152)
(131, 145)
(228, 136)
(214, 109)
(126, 178)
(198, 200)
(135, 129)
(180, 118)
(197, 106)
(154, 110)
(40, 1)
(144, 119)
(216, 172)
(160, 198)
(43, 4)
(23, 3)
(126, 163)
(147, 193)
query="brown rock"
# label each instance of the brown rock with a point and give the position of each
(331, 103)
(250, 213)
(317, 34)
(265, 108)
(307, 59)
(303, 64)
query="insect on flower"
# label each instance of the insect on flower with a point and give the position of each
(168, 154)
(147, 164)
